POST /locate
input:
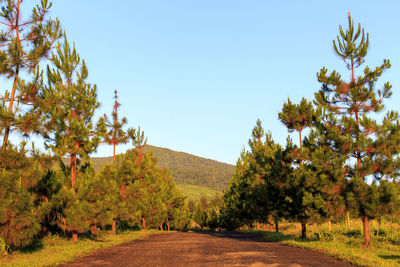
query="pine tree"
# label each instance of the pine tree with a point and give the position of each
(200, 213)
(235, 211)
(23, 43)
(75, 212)
(297, 117)
(173, 200)
(139, 141)
(104, 199)
(315, 187)
(115, 135)
(47, 189)
(19, 173)
(68, 103)
(257, 189)
(112, 200)
(352, 130)
(271, 170)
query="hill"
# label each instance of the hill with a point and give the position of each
(187, 169)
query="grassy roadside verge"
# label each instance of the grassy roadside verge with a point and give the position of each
(343, 248)
(54, 250)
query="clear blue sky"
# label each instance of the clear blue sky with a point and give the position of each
(196, 75)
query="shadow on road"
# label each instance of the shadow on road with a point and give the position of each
(257, 236)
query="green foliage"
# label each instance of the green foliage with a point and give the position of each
(207, 212)
(348, 49)
(352, 131)
(316, 186)
(103, 198)
(297, 117)
(237, 207)
(19, 224)
(259, 187)
(24, 43)
(310, 188)
(74, 213)
(69, 105)
(139, 193)
(115, 134)
(323, 236)
(47, 190)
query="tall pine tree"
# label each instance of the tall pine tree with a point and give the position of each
(19, 173)
(371, 148)
(23, 43)
(115, 135)
(298, 117)
(68, 102)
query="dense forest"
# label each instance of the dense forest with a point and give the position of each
(186, 169)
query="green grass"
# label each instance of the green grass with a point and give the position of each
(194, 192)
(347, 242)
(55, 250)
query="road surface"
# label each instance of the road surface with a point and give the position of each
(204, 249)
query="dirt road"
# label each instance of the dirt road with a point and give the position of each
(204, 249)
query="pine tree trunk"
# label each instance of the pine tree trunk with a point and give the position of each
(73, 171)
(14, 88)
(114, 227)
(10, 109)
(276, 224)
(270, 224)
(114, 154)
(144, 223)
(258, 225)
(301, 162)
(140, 155)
(93, 229)
(303, 230)
(168, 226)
(122, 191)
(330, 225)
(365, 221)
(263, 226)
(74, 236)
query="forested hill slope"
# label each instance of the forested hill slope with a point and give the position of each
(186, 168)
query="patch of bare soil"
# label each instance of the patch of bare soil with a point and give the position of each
(205, 249)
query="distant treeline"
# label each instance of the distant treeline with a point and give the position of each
(186, 168)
